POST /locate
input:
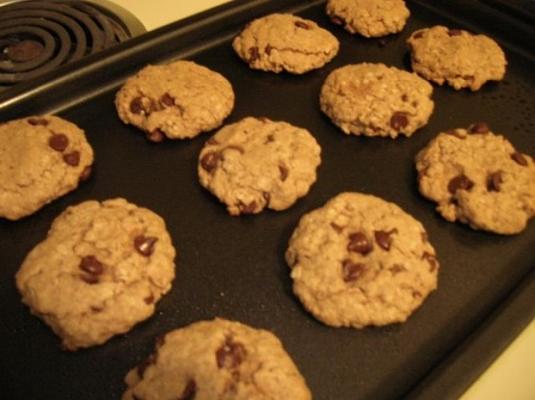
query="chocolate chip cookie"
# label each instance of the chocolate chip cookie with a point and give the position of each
(217, 359)
(376, 100)
(285, 42)
(360, 260)
(41, 158)
(101, 269)
(479, 178)
(457, 57)
(177, 100)
(370, 18)
(257, 163)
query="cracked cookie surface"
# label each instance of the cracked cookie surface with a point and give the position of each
(257, 163)
(370, 18)
(478, 178)
(101, 269)
(217, 359)
(178, 100)
(285, 42)
(376, 100)
(41, 158)
(457, 57)
(360, 260)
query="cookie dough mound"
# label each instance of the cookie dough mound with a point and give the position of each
(370, 18)
(41, 158)
(178, 100)
(257, 163)
(217, 359)
(455, 56)
(376, 100)
(100, 270)
(285, 42)
(359, 261)
(478, 178)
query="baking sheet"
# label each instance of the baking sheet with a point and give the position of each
(234, 267)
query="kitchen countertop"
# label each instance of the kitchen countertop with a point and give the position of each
(508, 377)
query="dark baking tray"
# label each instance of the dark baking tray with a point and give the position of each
(234, 267)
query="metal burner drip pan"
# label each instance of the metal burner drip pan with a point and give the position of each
(38, 36)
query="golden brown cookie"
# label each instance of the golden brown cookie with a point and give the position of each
(101, 269)
(41, 158)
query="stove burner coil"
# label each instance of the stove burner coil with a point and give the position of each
(38, 36)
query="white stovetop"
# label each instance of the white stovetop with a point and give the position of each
(511, 376)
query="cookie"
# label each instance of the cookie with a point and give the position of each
(41, 158)
(376, 100)
(285, 42)
(478, 178)
(101, 269)
(370, 18)
(360, 260)
(457, 57)
(178, 100)
(217, 359)
(257, 163)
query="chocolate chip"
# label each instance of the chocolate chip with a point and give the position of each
(91, 265)
(455, 32)
(494, 180)
(247, 208)
(167, 101)
(72, 158)
(460, 182)
(156, 136)
(58, 141)
(431, 259)
(352, 271)
(141, 368)
(336, 227)
(302, 25)
(397, 268)
(230, 355)
(418, 35)
(270, 138)
(399, 120)
(210, 161)
(337, 20)
(254, 54)
(404, 98)
(96, 310)
(145, 244)
(283, 172)
(149, 299)
(479, 127)
(359, 243)
(268, 49)
(384, 239)
(189, 391)
(86, 173)
(38, 121)
(93, 268)
(136, 106)
(519, 159)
